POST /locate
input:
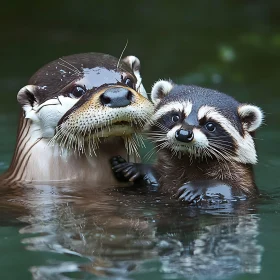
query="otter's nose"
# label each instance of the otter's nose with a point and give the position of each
(116, 97)
(184, 135)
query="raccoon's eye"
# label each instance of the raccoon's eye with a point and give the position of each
(129, 82)
(210, 126)
(77, 92)
(175, 118)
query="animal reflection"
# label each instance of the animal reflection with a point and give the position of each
(120, 233)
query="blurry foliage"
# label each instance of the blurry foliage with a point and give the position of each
(172, 38)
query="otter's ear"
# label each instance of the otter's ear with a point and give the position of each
(160, 89)
(134, 63)
(251, 117)
(27, 97)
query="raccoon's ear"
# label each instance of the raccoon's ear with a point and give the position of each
(134, 63)
(251, 117)
(160, 89)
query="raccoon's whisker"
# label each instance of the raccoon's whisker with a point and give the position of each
(156, 137)
(217, 156)
(222, 147)
(148, 155)
(163, 144)
(220, 159)
(226, 148)
(155, 133)
(227, 151)
(228, 173)
(220, 156)
(221, 142)
(224, 156)
(159, 125)
(207, 153)
(152, 134)
(154, 149)
(159, 139)
(139, 140)
(219, 137)
(224, 162)
(130, 145)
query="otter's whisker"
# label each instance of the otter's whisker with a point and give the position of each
(122, 53)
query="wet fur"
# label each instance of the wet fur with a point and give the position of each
(174, 172)
(188, 167)
(66, 138)
(228, 157)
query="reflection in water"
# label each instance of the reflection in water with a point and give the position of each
(118, 233)
(223, 249)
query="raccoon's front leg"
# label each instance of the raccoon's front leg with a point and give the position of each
(134, 172)
(210, 191)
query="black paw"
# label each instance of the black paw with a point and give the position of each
(124, 171)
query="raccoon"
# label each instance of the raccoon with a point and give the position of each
(204, 141)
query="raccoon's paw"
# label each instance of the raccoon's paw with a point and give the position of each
(124, 171)
(208, 191)
(190, 192)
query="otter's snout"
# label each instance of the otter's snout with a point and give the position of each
(116, 97)
(183, 135)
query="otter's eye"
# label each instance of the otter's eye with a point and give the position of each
(175, 118)
(210, 126)
(129, 82)
(77, 92)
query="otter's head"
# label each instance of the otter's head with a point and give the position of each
(78, 99)
(203, 123)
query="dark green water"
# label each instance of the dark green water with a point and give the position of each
(57, 232)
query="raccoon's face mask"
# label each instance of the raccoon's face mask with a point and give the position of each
(203, 123)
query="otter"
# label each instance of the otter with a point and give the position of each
(204, 142)
(78, 111)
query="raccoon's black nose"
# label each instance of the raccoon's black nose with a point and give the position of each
(184, 135)
(116, 97)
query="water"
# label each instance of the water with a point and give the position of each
(77, 232)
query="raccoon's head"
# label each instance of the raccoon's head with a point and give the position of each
(203, 123)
